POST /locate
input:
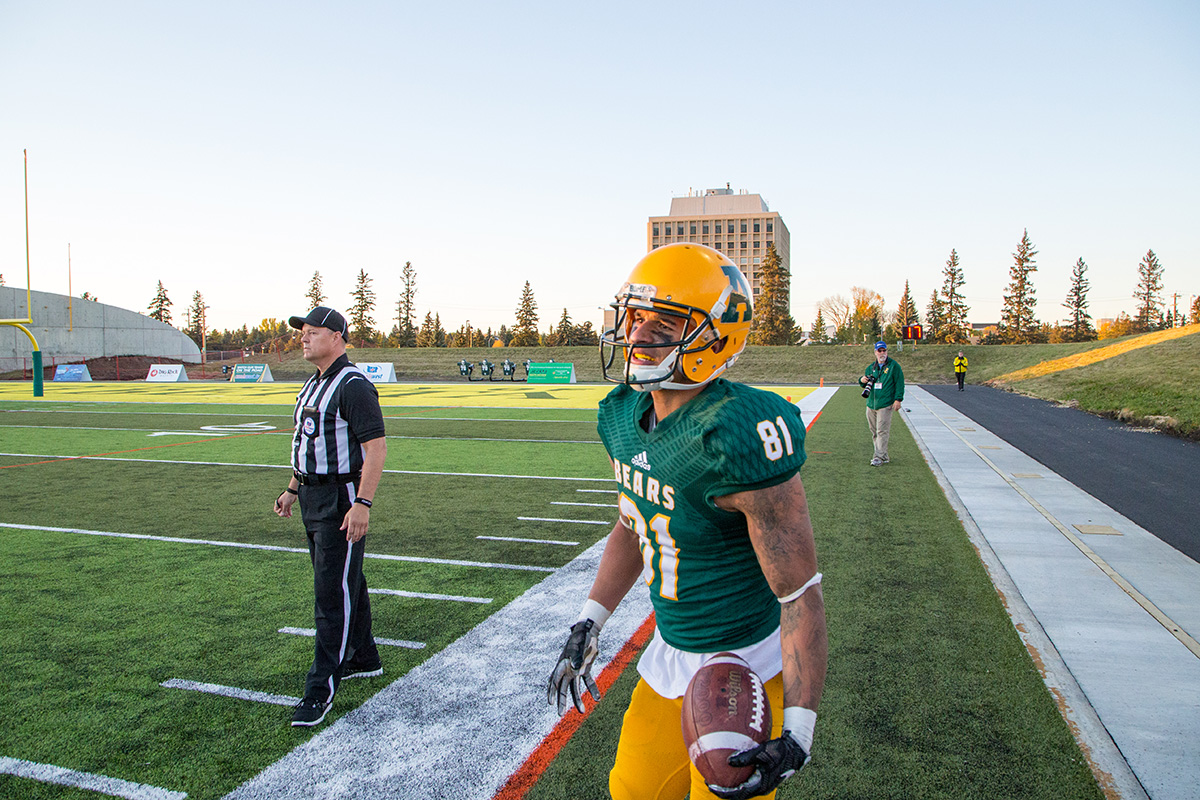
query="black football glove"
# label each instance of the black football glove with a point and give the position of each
(773, 761)
(574, 668)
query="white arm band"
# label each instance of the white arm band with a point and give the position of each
(595, 612)
(800, 722)
(813, 581)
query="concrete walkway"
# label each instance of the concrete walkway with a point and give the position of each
(1110, 613)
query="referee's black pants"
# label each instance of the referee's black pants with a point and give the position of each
(342, 610)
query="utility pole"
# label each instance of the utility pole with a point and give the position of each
(1175, 310)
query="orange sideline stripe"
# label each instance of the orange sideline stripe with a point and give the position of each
(524, 778)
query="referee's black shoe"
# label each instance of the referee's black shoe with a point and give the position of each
(362, 668)
(309, 712)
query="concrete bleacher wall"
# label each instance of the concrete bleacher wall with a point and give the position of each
(70, 330)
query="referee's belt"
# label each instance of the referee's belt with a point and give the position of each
(318, 479)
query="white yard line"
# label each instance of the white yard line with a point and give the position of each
(312, 632)
(525, 541)
(429, 596)
(230, 691)
(274, 548)
(589, 505)
(575, 521)
(288, 467)
(61, 776)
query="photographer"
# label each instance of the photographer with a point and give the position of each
(883, 386)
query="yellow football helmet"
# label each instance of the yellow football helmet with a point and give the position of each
(693, 282)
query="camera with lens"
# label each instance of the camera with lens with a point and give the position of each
(870, 384)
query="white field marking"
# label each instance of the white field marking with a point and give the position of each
(589, 505)
(224, 430)
(230, 691)
(414, 732)
(525, 541)
(428, 596)
(312, 632)
(577, 521)
(811, 404)
(275, 548)
(416, 417)
(114, 787)
(288, 467)
(185, 433)
(598, 491)
(483, 439)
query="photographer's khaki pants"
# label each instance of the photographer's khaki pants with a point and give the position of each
(879, 420)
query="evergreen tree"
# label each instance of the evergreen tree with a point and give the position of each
(935, 318)
(1018, 325)
(956, 326)
(818, 334)
(525, 332)
(89, 296)
(197, 319)
(565, 334)
(505, 335)
(405, 311)
(160, 306)
(362, 324)
(439, 333)
(1148, 293)
(1, 279)
(907, 314)
(315, 296)
(1079, 323)
(1194, 314)
(772, 322)
(425, 336)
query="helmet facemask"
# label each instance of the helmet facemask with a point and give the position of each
(698, 336)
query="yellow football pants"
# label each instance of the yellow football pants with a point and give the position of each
(652, 763)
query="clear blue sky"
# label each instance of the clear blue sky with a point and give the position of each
(235, 147)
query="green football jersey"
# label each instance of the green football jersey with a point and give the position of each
(708, 591)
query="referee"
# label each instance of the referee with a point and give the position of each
(337, 460)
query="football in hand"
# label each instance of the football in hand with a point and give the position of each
(725, 711)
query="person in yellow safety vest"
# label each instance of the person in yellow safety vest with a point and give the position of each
(960, 369)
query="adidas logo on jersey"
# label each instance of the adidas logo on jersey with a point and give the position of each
(641, 461)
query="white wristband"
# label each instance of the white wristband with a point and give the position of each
(813, 581)
(800, 722)
(595, 612)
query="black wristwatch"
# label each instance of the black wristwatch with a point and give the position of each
(364, 501)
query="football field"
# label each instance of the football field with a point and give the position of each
(157, 614)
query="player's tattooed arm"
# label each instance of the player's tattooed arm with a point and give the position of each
(782, 534)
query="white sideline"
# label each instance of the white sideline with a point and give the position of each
(230, 691)
(114, 787)
(275, 548)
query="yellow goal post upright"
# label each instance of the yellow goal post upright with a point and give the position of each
(38, 386)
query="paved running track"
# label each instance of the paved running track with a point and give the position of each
(1151, 478)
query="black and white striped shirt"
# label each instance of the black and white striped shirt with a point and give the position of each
(336, 412)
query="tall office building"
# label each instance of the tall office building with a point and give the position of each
(739, 225)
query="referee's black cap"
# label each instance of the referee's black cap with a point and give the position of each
(322, 317)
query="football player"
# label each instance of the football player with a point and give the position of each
(712, 516)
